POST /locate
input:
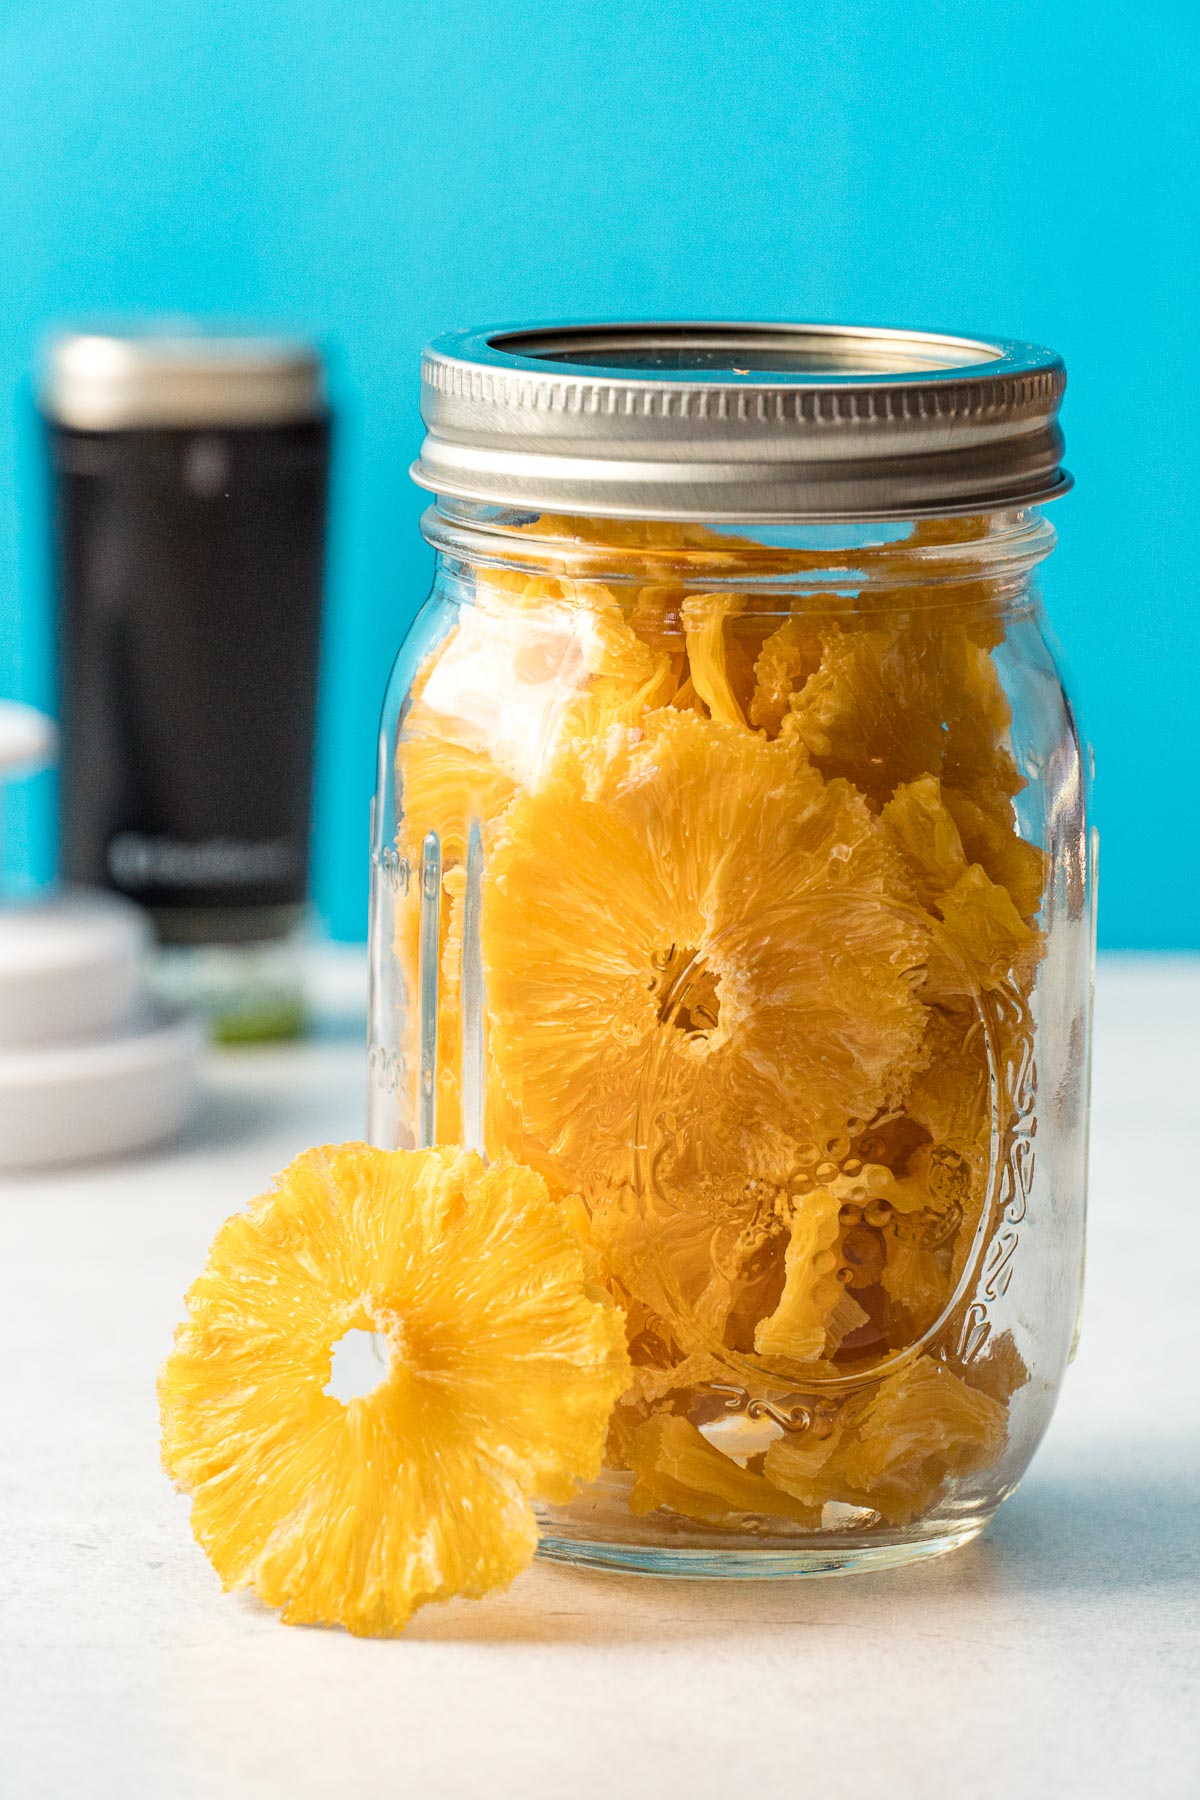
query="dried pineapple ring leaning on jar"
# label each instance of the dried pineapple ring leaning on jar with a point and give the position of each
(501, 1364)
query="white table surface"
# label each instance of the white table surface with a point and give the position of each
(1057, 1656)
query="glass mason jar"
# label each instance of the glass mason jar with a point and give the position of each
(731, 870)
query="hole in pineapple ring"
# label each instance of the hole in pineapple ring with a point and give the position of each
(686, 991)
(358, 1365)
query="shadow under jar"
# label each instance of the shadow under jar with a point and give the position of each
(731, 869)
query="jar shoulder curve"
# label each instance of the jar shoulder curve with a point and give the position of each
(429, 624)
(1048, 745)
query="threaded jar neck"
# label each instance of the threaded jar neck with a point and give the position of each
(992, 553)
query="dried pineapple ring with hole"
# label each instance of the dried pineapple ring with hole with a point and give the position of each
(503, 1367)
(686, 921)
(694, 962)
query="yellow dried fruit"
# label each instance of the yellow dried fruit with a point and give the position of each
(815, 1312)
(922, 1426)
(674, 1466)
(687, 923)
(1011, 861)
(916, 1280)
(788, 657)
(949, 1098)
(502, 1368)
(891, 703)
(532, 666)
(725, 636)
(993, 942)
(927, 837)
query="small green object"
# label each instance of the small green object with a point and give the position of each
(264, 1019)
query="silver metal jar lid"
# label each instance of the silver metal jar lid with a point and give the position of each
(742, 422)
(172, 375)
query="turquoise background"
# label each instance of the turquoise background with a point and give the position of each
(382, 170)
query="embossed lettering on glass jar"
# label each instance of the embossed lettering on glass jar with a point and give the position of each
(731, 869)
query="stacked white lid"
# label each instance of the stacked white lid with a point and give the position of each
(88, 1067)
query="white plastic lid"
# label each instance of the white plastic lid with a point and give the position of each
(69, 962)
(86, 1070)
(70, 966)
(62, 1103)
(27, 738)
